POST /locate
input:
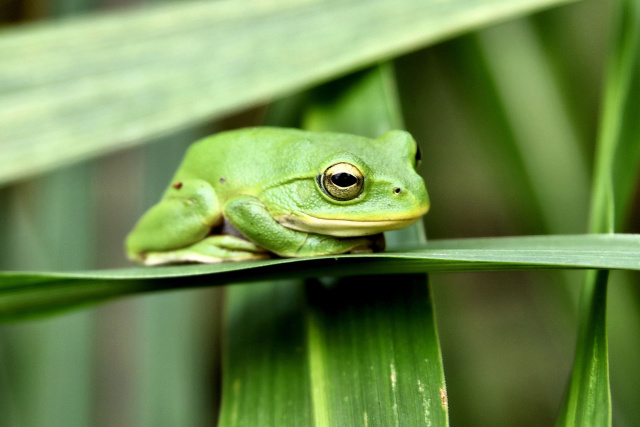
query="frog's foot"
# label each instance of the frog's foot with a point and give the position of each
(370, 244)
(213, 249)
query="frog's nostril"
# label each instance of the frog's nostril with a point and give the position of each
(397, 190)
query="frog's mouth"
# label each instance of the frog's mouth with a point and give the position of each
(342, 227)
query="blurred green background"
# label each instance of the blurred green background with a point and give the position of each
(507, 120)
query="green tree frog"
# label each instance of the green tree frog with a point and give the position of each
(248, 193)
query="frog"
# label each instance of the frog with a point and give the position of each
(263, 192)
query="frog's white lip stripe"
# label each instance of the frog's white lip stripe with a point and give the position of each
(341, 227)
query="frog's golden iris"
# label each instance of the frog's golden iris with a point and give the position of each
(342, 181)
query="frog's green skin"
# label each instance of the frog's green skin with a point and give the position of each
(247, 193)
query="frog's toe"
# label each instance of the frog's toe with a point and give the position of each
(213, 249)
(375, 243)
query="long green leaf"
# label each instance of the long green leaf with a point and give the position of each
(265, 364)
(618, 251)
(588, 400)
(28, 293)
(76, 89)
(374, 353)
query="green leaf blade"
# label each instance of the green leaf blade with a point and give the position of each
(125, 78)
(375, 352)
(588, 402)
(618, 150)
(31, 293)
(265, 369)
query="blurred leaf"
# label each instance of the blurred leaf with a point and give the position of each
(48, 363)
(588, 400)
(176, 350)
(176, 340)
(359, 109)
(29, 293)
(618, 150)
(123, 78)
(538, 123)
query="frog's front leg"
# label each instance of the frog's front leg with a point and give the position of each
(185, 215)
(252, 218)
(178, 229)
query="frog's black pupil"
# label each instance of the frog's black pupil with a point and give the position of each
(343, 179)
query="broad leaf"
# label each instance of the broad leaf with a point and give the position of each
(374, 353)
(72, 90)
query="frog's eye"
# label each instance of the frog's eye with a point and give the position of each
(342, 181)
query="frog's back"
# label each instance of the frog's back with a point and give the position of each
(248, 158)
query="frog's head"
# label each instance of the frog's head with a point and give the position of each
(363, 187)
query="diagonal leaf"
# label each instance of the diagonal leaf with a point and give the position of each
(618, 150)
(29, 293)
(542, 136)
(588, 400)
(123, 78)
